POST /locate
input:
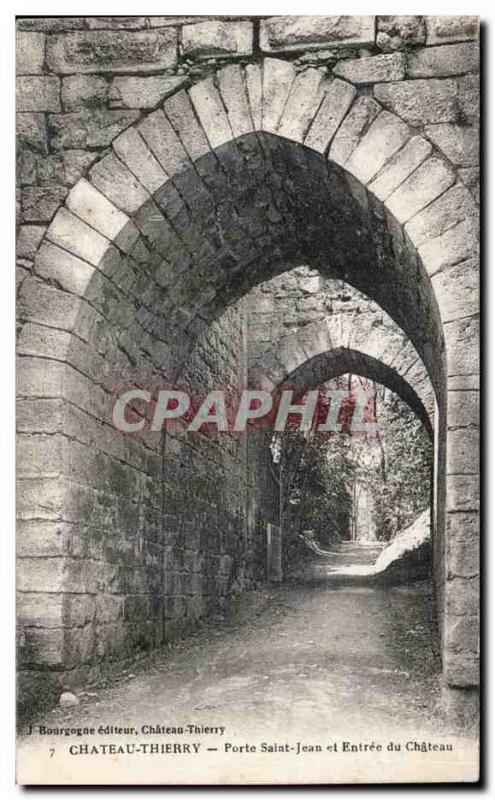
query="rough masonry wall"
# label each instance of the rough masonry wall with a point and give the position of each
(82, 81)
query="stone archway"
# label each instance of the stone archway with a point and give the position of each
(249, 172)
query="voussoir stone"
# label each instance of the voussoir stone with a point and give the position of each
(458, 142)
(112, 51)
(457, 290)
(414, 152)
(30, 53)
(386, 135)
(279, 34)
(429, 181)
(375, 69)
(361, 115)
(38, 93)
(146, 92)
(438, 62)
(217, 38)
(443, 29)
(337, 101)
(454, 206)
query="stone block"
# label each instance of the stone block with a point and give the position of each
(463, 456)
(211, 112)
(439, 62)
(461, 634)
(217, 38)
(40, 574)
(132, 150)
(234, 94)
(112, 51)
(463, 344)
(38, 93)
(179, 111)
(429, 180)
(40, 609)
(463, 544)
(336, 103)
(278, 77)
(88, 128)
(28, 240)
(39, 204)
(395, 172)
(84, 90)
(42, 647)
(72, 234)
(63, 269)
(386, 135)
(164, 143)
(457, 244)
(116, 23)
(470, 176)
(395, 32)
(454, 206)
(420, 102)
(463, 492)
(374, 69)
(459, 143)
(253, 76)
(30, 53)
(118, 184)
(90, 205)
(31, 131)
(444, 29)
(143, 92)
(51, 24)
(346, 139)
(285, 34)
(462, 596)
(468, 90)
(457, 290)
(304, 98)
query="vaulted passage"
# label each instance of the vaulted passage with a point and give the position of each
(138, 282)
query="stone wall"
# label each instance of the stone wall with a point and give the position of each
(217, 153)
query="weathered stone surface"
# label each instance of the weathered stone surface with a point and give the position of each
(136, 92)
(463, 351)
(457, 290)
(40, 204)
(278, 77)
(112, 51)
(421, 101)
(234, 95)
(71, 234)
(386, 135)
(38, 93)
(302, 103)
(83, 91)
(32, 131)
(132, 150)
(375, 69)
(253, 75)
(361, 115)
(88, 128)
(71, 274)
(469, 98)
(164, 143)
(459, 143)
(443, 29)
(430, 180)
(179, 111)
(63, 168)
(336, 103)
(51, 24)
(217, 38)
(454, 206)
(279, 34)
(462, 633)
(456, 244)
(463, 492)
(211, 112)
(436, 62)
(414, 152)
(117, 183)
(28, 240)
(397, 32)
(116, 23)
(461, 669)
(470, 176)
(464, 409)
(92, 207)
(30, 53)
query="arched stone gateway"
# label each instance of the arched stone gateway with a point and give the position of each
(341, 343)
(251, 171)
